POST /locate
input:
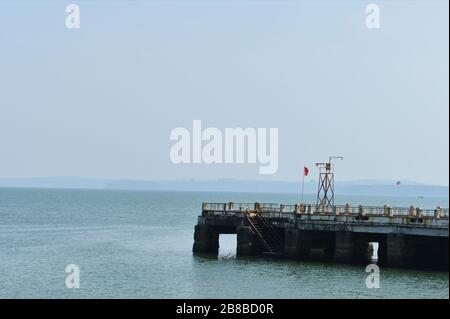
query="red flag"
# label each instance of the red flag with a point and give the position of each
(305, 171)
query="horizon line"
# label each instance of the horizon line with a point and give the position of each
(368, 181)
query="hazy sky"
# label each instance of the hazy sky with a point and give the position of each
(101, 101)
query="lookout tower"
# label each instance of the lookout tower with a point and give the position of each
(325, 191)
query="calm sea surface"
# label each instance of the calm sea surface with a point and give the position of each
(136, 244)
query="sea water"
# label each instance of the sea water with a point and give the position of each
(138, 244)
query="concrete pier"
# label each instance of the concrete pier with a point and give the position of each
(343, 247)
(396, 249)
(246, 241)
(206, 239)
(405, 237)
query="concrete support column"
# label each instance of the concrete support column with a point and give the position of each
(246, 244)
(428, 252)
(395, 250)
(291, 243)
(206, 240)
(362, 252)
(305, 239)
(445, 252)
(329, 248)
(343, 247)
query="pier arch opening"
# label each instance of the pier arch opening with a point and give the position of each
(368, 248)
(227, 245)
(373, 249)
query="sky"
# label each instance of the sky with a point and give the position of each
(102, 100)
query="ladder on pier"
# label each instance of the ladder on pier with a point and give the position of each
(266, 233)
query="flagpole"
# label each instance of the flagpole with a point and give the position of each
(303, 185)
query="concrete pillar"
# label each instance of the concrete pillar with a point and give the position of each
(395, 250)
(362, 251)
(206, 240)
(428, 252)
(304, 244)
(343, 247)
(416, 251)
(246, 243)
(348, 209)
(445, 252)
(329, 248)
(291, 243)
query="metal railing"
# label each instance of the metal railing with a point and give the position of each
(274, 210)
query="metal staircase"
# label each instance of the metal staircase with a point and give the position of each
(267, 234)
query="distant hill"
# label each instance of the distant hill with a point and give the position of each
(230, 185)
(362, 187)
(54, 182)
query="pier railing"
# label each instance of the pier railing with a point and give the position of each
(274, 210)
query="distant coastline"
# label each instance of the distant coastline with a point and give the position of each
(363, 187)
